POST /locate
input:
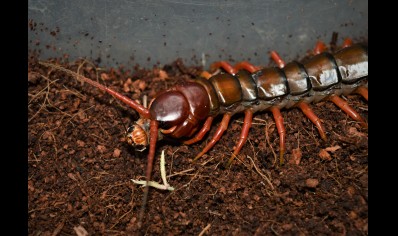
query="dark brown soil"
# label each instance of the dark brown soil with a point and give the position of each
(80, 168)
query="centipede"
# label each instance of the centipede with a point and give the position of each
(186, 111)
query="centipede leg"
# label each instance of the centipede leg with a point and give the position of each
(347, 43)
(277, 59)
(205, 74)
(343, 105)
(247, 123)
(202, 132)
(281, 130)
(319, 47)
(363, 92)
(219, 132)
(224, 65)
(311, 115)
(246, 66)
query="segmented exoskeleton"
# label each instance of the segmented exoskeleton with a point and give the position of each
(186, 111)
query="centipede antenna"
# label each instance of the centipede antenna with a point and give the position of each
(154, 126)
(119, 115)
(137, 107)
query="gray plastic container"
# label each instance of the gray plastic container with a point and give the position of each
(200, 32)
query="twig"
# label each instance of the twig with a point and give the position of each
(165, 185)
(205, 229)
(259, 172)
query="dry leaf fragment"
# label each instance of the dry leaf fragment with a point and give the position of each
(80, 231)
(332, 149)
(354, 132)
(324, 155)
(296, 158)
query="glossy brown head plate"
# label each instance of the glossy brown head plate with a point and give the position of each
(137, 135)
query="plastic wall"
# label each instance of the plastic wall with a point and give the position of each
(200, 32)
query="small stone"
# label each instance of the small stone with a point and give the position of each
(116, 153)
(101, 148)
(311, 183)
(80, 143)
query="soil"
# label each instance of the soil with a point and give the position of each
(80, 168)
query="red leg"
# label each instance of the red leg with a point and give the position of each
(362, 91)
(246, 66)
(202, 132)
(168, 131)
(277, 59)
(311, 115)
(347, 109)
(224, 65)
(319, 48)
(281, 130)
(205, 74)
(347, 42)
(223, 126)
(247, 123)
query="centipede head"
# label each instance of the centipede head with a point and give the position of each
(137, 134)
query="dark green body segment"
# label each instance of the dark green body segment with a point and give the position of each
(317, 74)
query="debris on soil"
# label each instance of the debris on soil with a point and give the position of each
(80, 169)
(296, 156)
(311, 183)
